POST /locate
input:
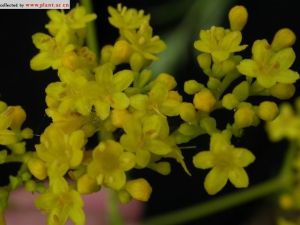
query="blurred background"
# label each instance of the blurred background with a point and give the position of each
(178, 23)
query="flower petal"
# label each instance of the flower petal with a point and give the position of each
(239, 178)
(287, 76)
(122, 80)
(120, 101)
(243, 157)
(203, 160)
(215, 180)
(248, 67)
(102, 109)
(284, 58)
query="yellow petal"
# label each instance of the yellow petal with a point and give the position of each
(248, 67)
(239, 178)
(203, 160)
(215, 180)
(158, 147)
(243, 157)
(41, 61)
(120, 101)
(115, 180)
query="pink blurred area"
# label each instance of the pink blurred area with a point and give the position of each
(21, 210)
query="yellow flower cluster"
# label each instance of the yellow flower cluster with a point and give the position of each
(128, 110)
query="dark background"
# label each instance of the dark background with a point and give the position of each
(21, 86)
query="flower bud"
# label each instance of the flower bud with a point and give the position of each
(18, 116)
(27, 133)
(283, 38)
(230, 102)
(241, 91)
(282, 91)
(204, 100)
(37, 168)
(238, 17)
(137, 61)
(124, 197)
(267, 110)
(106, 53)
(191, 87)
(204, 61)
(167, 79)
(139, 189)
(187, 112)
(244, 117)
(121, 52)
(87, 185)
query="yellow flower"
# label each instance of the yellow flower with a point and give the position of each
(109, 164)
(145, 137)
(269, 67)
(74, 21)
(59, 146)
(77, 94)
(61, 203)
(7, 136)
(51, 52)
(160, 100)
(220, 43)
(286, 125)
(123, 18)
(143, 42)
(226, 161)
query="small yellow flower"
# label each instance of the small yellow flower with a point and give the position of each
(220, 43)
(226, 161)
(109, 164)
(160, 100)
(145, 137)
(61, 203)
(269, 67)
(58, 146)
(52, 51)
(286, 125)
(124, 18)
(144, 43)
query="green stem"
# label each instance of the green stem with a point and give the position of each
(217, 204)
(114, 216)
(228, 79)
(272, 186)
(92, 41)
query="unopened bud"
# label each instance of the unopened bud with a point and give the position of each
(238, 17)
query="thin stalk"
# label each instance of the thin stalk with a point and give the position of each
(114, 216)
(217, 204)
(92, 41)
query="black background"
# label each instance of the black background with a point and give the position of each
(21, 86)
